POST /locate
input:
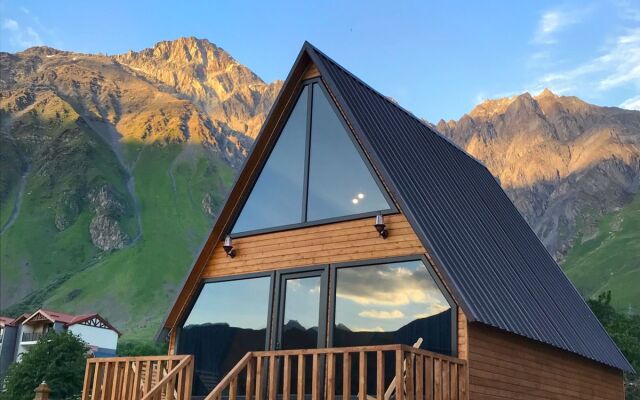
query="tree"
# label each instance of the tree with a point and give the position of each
(625, 331)
(140, 348)
(58, 359)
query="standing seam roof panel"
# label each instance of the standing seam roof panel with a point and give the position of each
(587, 324)
(502, 272)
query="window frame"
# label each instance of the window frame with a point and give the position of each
(333, 275)
(305, 189)
(228, 278)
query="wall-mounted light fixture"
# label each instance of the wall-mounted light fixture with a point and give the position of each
(381, 227)
(228, 247)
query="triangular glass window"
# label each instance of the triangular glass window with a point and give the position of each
(340, 183)
(276, 198)
(314, 173)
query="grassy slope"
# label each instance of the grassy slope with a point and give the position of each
(33, 248)
(133, 287)
(610, 259)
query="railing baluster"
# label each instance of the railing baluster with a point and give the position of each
(399, 375)
(188, 381)
(301, 376)
(453, 387)
(137, 381)
(419, 377)
(286, 379)
(88, 369)
(125, 381)
(272, 378)
(148, 376)
(346, 375)
(315, 390)
(362, 376)
(428, 370)
(105, 381)
(331, 377)
(445, 379)
(379, 375)
(437, 379)
(409, 375)
(233, 388)
(95, 390)
(115, 383)
(258, 378)
(250, 379)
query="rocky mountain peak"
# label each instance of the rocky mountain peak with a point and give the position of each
(558, 157)
(198, 70)
(491, 107)
(545, 94)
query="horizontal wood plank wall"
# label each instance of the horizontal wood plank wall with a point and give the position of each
(332, 243)
(507, 366)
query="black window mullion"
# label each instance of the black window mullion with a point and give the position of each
(307, 154)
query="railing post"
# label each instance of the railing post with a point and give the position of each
(42, 391)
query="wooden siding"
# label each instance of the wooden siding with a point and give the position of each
(333, 243)
(506, 366)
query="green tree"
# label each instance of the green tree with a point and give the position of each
(624, 329)
(58, 359)
(140, 348)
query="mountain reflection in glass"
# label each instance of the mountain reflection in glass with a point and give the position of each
(340, 183)
(228, 320)
(276, 198)
(391, 303)
(301, 308)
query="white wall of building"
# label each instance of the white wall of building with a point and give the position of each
(94, 336)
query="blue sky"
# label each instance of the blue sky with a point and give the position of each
(438, 59)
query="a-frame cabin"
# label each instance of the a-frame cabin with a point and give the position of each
(362, 255)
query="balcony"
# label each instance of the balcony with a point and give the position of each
(31, 336)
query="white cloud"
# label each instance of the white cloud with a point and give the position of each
(379, 314)
(20, 37)
(10, 24)
(616, 66)
(632, 103)
(553, 22)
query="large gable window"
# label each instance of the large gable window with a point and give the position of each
(315, 172)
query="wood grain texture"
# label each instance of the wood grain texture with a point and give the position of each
(508, 366)
(332, 243)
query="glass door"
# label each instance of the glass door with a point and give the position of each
(302, 310)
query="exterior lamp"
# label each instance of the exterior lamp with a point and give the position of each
(381, 227)
(228, 247)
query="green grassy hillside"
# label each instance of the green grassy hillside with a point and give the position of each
(610, 258)
(48, 257)
(140, 281)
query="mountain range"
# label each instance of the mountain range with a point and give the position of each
(114, 167)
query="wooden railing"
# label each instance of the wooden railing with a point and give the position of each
(138, 378)
(365, 373)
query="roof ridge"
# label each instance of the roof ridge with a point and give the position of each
(395, 104)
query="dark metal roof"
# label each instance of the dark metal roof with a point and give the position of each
(498, 269)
